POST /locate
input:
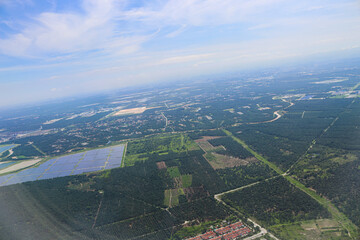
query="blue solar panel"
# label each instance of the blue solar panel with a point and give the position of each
(87, 159)
(90, 164)
(13, 180)
(48, 175)
(93, 169)
(93, 160)
(63, 174)
(4, 178)
(60, 168)
(112, 166)
(78, 171)
(91, 153)
(26, 172)
(28, 178)
(48, 163)
(67, 161)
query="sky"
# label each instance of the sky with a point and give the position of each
(61, 48)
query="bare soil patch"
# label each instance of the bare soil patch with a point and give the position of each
(130, 111)
(223, 161)
(206, 138)
(161, 165)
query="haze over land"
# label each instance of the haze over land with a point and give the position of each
(52, 49)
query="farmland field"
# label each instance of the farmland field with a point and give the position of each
(313, 229)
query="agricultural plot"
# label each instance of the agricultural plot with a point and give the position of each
(173, 172)
(171, 197)
(159, 148)
(90, 161)
(313, 229)
(219, 161)
(219, 157)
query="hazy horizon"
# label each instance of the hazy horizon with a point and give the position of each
(56, 49)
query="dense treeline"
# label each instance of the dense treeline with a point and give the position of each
(142, 225)
(342, 187)
(243, 175)
(279, 150)
(344, 134)
(25, 151)
(275, 202)
(232, 148)
(332, 166)
(335, 174)
(202, 174)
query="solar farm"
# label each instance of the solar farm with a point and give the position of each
(90, 161)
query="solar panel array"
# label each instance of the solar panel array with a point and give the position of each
(90, 161)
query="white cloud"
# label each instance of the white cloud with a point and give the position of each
(200, 12)
(54, 34)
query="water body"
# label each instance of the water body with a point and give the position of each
(6, 147)
(4, 165)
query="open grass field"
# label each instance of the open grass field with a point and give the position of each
(321, 229)
(186, 180)
(173, 172)
(171, 197)
(142, 149)
(206, 146)
(219, 161)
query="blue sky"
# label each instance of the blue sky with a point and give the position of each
(59, 48)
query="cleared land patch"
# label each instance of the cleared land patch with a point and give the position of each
(161, 165)
(219, 161)
(138, 110)
(171, 198)
(206, 138)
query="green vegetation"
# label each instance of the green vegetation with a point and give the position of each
(322, 229)
(168, 179)
(275, 202)
(173, 172)
(232, 148)
(255, 154)
(171, 198)
(336, 214)
(186, 180)
(244, 175)
(146, 148)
